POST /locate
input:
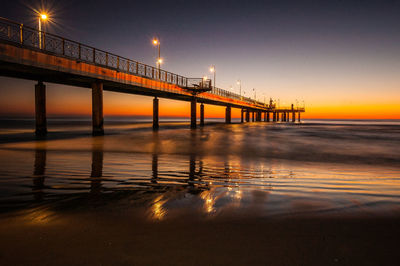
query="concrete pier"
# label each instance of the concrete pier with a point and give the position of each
(247, 116)
(201, 114)
(241, 115)
(155, 114)
(40, 109)
(293, 117)
(267, 118)
(97, 109)
(298, 118)
(252, 118)
(228, 115)
(193, 116)
(274, 117)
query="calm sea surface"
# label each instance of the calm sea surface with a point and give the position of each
(316, 168)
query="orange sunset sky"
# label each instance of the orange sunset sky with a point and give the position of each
(67, 100)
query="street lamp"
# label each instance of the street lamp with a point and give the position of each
(42, 17)
(239, 82)
(156, 42)
(212, 70)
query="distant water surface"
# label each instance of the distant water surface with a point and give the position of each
(316, 168)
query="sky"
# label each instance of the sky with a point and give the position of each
(341, 58)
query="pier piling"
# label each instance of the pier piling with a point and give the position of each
(40, 109)
(228, 115)
(97, 109)
(201, 114)
(193, 117)
(155, 114)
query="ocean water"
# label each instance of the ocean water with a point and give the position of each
(317, 168)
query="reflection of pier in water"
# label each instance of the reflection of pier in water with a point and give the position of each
(154, 182)
(39, 171)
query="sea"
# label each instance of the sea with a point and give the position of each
(313, 168)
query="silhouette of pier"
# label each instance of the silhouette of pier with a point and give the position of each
(28, 53)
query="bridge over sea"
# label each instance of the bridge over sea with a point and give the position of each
(28, 53)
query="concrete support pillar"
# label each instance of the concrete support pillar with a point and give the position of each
(283, 117)
(267, 116)
(193, 116)
(155, 114)
(40, 109)
(241, 116)
(274, 117)
(252, 114)
(298, 119)
(293, 117)
(97, 109)
(247, 116)
(228, 115)
(202, 114)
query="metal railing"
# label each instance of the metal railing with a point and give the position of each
(50, 43)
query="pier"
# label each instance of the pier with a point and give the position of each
(28, 53)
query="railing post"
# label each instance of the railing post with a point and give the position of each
(94, 55)
(79, 51)
(44, 41)
(21, 33)
(106, 59)
(137, 68)
(63, 46)
(9, 31)
(117, 62)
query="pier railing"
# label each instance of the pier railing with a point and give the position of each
(53, 44)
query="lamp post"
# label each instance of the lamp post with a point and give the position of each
(156, 42)
(239, 82)
(212, 70)
(43, 17)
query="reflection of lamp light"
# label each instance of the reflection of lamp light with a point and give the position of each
(208, 201)
(157, 210)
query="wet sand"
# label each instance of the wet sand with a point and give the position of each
(120, 239)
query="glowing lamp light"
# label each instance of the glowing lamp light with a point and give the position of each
(212, 69)
(159, 60)
(155, 41)
(205, 78)
(43, 16)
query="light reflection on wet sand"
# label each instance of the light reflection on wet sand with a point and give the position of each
(219, 174)
(215, 169)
